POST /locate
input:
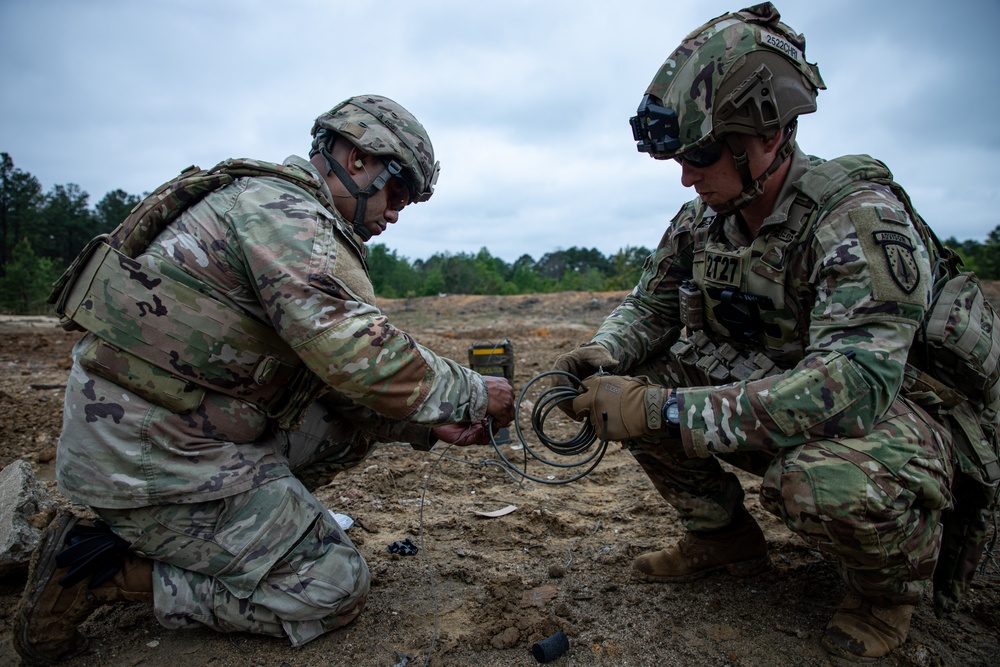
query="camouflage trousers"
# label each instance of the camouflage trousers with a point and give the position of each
(874, 503)
(270, 561)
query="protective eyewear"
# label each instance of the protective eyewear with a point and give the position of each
(703, 156)
(397, 193)
(397, 189)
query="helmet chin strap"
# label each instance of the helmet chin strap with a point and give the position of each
(754, 188)
(360, 195)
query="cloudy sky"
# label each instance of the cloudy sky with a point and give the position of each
(527, 101)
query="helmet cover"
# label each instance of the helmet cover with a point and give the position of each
(742, 72)
(378, 126)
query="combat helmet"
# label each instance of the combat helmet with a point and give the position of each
(741, 73)
(379, 126)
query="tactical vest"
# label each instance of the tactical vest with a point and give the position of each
(108, 292)
(742, 299)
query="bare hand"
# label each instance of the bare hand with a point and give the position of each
(463, 434)
(501, 404)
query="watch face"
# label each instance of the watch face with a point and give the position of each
(673, 414)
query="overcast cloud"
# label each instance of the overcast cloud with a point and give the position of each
(527, 102)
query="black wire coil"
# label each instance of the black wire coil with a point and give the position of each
(579, 444)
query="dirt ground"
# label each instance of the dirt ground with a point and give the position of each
(483, 589)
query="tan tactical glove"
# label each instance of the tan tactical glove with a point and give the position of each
(585, 360)
(582, 362)
(622, 408)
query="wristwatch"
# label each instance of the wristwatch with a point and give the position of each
(671, 415)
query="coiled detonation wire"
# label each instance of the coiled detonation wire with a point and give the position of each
(548, 400)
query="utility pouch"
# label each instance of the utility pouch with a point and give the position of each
(692, 306)
(140, 377)
(62, 288)
(976, 455)
(167, 330)
(966, 527)
(964, 330)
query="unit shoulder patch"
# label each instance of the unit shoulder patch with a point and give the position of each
(892, 255)
(902, 264)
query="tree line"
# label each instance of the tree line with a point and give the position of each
(42, 232)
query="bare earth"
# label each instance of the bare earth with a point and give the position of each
(482, 589)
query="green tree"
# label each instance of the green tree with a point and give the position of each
(590, 279)
(113, 208)
(451, 273)
(392, 276)
(27, 281)
(20, 200)
(66, 224)
(525, 279)
(626, 268)
(989, 258)
(491, 274)
(556, 264)
(432, 280)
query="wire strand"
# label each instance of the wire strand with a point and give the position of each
(576, 445)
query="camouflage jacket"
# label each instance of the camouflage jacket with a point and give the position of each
(267, 247)
(847, 318)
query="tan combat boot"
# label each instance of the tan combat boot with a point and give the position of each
(740, 548)
(49, 613)
(863, 631)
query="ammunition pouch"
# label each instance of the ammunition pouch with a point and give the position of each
(696, 361)
(205, 345)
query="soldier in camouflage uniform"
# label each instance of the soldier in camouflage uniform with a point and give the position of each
(208, 490)
(770, 330)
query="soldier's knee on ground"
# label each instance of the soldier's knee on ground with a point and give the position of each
(324, 573)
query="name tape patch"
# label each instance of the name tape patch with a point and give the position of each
(780, 44)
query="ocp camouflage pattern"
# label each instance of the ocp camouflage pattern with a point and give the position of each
(848, 463)
(380, 126)
(847, 325)
(274, 252)
(271, 561)
(690, 77)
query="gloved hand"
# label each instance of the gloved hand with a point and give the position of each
(585, 360)
(582, 362)
(633, 406)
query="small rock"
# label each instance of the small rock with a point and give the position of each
(507, 638)
(536, 597)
